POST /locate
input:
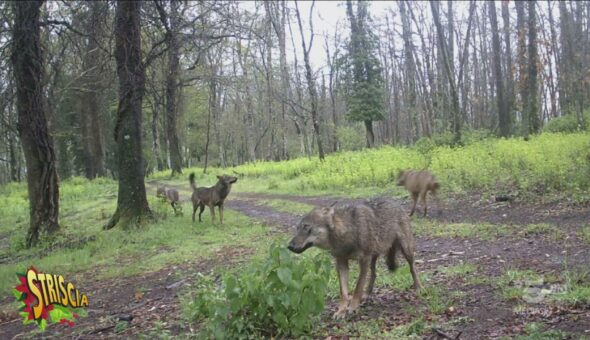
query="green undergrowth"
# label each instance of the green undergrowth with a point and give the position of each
(82, 246)
(549, 163)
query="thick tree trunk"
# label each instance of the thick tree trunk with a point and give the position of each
(132, 205)
(503, 117)
(90, 98)
(42, 178)
(172, 90)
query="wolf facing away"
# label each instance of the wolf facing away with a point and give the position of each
(170, 195)
(212, 196)
(361, 231)
(418, 183)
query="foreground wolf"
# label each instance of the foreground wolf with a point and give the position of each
(361, 231)
(418, 183)
(212, 197)
(171, 195)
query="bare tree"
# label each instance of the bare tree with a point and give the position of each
(309, 77)
(503, 116)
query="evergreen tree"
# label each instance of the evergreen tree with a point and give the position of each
(365, 100)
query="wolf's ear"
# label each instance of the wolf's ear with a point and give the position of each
(328, 210)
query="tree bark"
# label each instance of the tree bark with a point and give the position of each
(90, 98)
(172, 87)
(532, 110)
(508, 73)
(503, 117)
(42, 181)
(446, 63)
(310, 83)
(132, 205)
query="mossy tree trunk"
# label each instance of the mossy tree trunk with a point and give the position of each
(37, 144)
(132, 205)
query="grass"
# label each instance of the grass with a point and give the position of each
(538, 331)
(484, 231)
(458, 270)
(287, 206)
(86, 207)
(584, 233)
(513, 282)
(549, 163)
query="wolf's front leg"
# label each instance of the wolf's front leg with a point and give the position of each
(342, 268)
(360, 284)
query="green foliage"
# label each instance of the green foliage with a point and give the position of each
(577, 292)
(364, 101)
(567, 123)
(278, 296)
(350, 138)
(547, 163)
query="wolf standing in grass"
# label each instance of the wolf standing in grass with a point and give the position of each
(212, 197)
(361, 231)
(418, 183)
(170, 195)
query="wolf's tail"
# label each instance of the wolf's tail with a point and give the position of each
(391, 257)
(191, 179)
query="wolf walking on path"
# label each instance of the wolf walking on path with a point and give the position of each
(361, 231)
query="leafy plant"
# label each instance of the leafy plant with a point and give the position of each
(278, 296)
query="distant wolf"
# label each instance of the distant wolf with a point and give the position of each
(212, 197)
(418, 183)
(170, 195)
(363, 231)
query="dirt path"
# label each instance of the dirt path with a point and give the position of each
(491, 315)
(152, 298)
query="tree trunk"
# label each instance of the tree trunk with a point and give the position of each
(90, 98)
(172, 87)
(522, 62)
(27, 63)
(446, 63)
(503, 117)
(508, 73)
(311, 86)
(370, 133)
(532, 109)
(132, 205)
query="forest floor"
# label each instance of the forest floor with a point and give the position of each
(490, 270)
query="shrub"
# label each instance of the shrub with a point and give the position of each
(567, 123)
(278, 296)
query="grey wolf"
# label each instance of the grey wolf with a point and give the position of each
(362, 231)
(212, 196)
(418, 183)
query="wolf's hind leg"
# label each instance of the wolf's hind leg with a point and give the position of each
(373, 275)
(364, 263)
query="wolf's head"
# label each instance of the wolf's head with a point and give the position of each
(161, 192)
(401, 178)
(313, 230)
(227, 180)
